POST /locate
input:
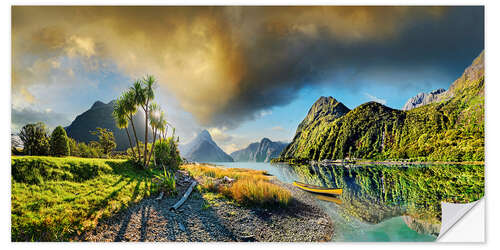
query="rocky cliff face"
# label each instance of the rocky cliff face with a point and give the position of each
(423, 99)
(203, 149)
(472, 74)
(262, 151)
(101, 115)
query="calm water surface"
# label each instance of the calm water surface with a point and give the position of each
(384, 202)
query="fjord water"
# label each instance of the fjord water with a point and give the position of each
(384, 202)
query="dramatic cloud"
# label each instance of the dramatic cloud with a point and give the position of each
(226, 65)
(21, 117)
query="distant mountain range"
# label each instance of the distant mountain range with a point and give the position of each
(101, 115)
(203, 149)
(442, 126)
(262, 151)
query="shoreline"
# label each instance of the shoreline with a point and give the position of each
(420, 162)
(375, 162)
(207, 217)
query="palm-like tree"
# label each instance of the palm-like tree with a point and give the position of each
(145, 96)
(121, 119)
(155, 121)
(130, 109)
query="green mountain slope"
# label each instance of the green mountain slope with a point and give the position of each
(101, 115)
(449, 129)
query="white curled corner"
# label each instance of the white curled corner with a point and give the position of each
(453, 213)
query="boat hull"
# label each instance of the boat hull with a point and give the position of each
(317, 189)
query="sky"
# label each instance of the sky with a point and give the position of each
(243, 73)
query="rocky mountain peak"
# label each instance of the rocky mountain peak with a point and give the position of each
(203, 149)
(98, 104)
(265, 140)
(324, 106)
(423, 98)
(205, 135)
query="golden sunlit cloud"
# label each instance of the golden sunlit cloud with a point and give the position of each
(214, 59)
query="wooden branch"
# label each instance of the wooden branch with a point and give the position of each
(184, 197)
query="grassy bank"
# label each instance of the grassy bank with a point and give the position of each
(54, 198)
(250, 187)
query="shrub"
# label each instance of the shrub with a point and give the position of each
(36, 170)
(73, 147)
(106, 140)
(166, 154)
(167, 182)
(59, 142)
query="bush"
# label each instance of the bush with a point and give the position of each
(167, 182)
(59, 142)
(36, 170)
(166, 154)
(106, 140)
(73, 147)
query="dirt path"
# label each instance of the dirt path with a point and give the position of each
(150, 220)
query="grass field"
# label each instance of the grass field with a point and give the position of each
(250, 187)
(55, 198)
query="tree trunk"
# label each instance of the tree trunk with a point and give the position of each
(152, 148)
(146, 136)
(135, 135)
(130, 142)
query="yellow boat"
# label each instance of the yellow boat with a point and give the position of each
(329, 198)
(317, 189)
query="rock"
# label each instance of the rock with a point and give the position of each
(181, 227)
(424, 98)
(322, 221)
(227, 180)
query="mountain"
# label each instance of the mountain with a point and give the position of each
(101, 115)
(423, 99)
(324, 111)
(203, 149)
(450, 129)
(262, 151)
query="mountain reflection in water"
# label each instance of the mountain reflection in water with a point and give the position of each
(384, 195)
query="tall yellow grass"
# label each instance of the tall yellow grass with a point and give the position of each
(251, 187)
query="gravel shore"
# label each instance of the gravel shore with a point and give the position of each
(222, 220)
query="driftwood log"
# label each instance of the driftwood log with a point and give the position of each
(184, 197)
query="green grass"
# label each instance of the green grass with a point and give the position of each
(53, 199)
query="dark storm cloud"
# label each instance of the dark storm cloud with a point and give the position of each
(425, 48)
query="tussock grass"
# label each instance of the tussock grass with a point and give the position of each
(54, 198)
(251, 187)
